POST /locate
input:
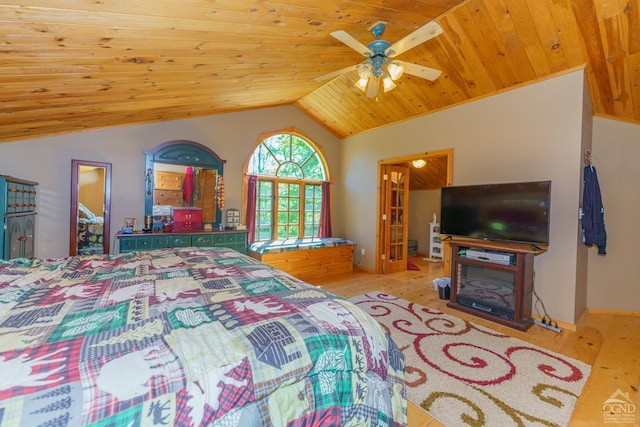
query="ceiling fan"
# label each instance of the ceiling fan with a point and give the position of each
(378, 66)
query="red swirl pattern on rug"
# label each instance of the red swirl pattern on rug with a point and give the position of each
(466, 374)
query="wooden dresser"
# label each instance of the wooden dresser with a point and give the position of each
(234, 239)
(168, 188)
(18, 213)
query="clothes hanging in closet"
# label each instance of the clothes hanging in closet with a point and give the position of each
(594, 232)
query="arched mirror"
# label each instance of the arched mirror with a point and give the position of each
(183, 174)
(90, 207)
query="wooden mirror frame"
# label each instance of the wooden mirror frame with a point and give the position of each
(179, 152)
(75, 199)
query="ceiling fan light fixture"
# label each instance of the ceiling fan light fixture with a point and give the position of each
(388, 84)
(395, 70)
(362, 83)
(364, 71)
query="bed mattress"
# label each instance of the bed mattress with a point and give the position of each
(187, 337)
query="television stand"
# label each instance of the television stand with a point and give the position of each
(496, 287)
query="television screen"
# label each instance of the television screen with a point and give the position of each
(517, 212)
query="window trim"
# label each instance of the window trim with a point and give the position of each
(276, 179)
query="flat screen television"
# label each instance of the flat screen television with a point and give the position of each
(514, 212)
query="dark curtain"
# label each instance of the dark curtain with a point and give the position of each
(251, 208)
(324, 228)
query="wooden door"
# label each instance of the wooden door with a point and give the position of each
(395, 218)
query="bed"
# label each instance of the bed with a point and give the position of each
(187, 336)
(307, 259)
(90, 232)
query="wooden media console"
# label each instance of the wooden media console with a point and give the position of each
(493, 280)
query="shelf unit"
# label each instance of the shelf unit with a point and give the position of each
(435, 244)
(482, 288)
(233, 218)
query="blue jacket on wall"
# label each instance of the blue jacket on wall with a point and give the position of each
(593, 229)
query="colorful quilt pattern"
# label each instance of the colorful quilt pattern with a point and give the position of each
(187, 337)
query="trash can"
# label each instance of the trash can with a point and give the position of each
(443, 285)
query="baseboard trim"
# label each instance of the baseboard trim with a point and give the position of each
(613, 312)
(361, 268)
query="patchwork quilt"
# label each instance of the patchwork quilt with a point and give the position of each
(187, 337)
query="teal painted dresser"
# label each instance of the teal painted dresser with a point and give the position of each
(18, 214)
(234, 239)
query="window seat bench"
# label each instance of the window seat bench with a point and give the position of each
(306, 259)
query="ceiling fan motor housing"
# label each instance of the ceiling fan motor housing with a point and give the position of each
(379, 57)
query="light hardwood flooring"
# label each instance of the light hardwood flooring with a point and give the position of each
(610, 343)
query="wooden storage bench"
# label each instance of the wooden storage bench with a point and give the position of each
(306, 259)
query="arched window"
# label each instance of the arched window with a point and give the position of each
(290, 171)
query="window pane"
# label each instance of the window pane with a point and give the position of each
(312, 169)
(262, 162)
(280, 146)
(294, 204)
(282, 203)
(294, 218)
(312, 208)
(290, 170)
(301, 151)
(264, 210)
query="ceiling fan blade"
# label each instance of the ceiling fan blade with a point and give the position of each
(350, 41)
(372, 87)
(421, 35)
(335, 73)
(420, 70)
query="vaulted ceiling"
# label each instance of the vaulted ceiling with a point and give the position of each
(73, 65)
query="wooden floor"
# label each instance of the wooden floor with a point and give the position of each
(610, 343)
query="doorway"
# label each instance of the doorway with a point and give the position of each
(423, 171)
(90, 208)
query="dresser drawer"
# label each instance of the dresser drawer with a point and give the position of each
(202, 240)
(237, 241)
(168, 181)
(182, 241)
(167, 197)
(187, 215)
(187, 226)
(138, 243)
(20, 197)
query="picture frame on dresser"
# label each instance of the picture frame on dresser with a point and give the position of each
(131, 223)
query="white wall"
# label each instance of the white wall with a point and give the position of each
(531, 133)
(231, 136)
(613, 278)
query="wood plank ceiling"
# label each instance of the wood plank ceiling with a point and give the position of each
(73, 65)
